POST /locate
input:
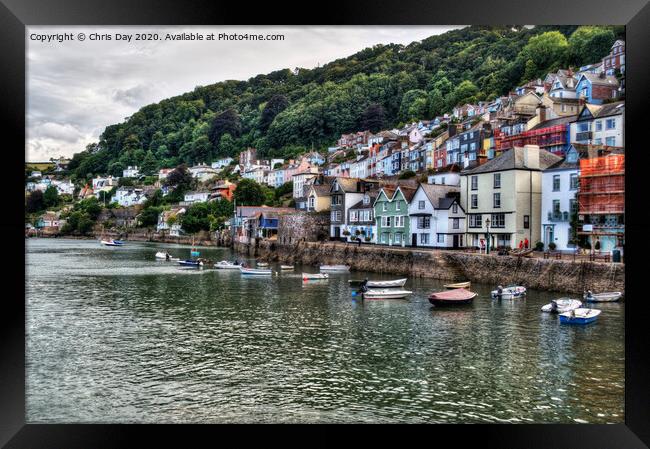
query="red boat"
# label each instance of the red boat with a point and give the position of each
(455, 296)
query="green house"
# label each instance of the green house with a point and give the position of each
(392, 215)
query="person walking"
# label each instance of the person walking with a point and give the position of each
(526, 243)
(521, 244)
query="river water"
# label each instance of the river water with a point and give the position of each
(114, 336)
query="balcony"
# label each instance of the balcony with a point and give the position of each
(585, 135)
(555, 217)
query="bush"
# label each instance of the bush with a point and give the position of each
(368, 238)
(552, 246)
(346, 233)
(539, 246)
(408, 174)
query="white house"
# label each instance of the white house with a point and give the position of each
(437, 219)
(131, 172)
(559, 188)
(359, 168)
(128, 196)
(163, 173)
(257, 174)
(203, 172)
(196, 197)
(448, 178)
(163, 218)
(100, 182)
(299, 180)
(221, 163)
(600, 125)
(64, 187)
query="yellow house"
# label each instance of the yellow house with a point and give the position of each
(507, 191)
(318, 197)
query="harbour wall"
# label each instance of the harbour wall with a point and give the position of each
(535, 273)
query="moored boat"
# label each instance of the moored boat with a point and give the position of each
(118, 242)
(561, 305)
(602, 297)
(454, 296)
(262, 264)
(226, 265)
(190, 263)
(459, 285)
(380, 284)
(387, 293)
(110, 243)
(255, 271)
(512, 292)
(579, 316)
(286, 267)
(335, 268)
(163, 255)
(314, 276)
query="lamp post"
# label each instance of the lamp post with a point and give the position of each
(487, 225)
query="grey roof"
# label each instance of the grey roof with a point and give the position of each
(445, 203)
(435, 192)
(514, 159)
(554, 122)
(608, 80)
(360, 205)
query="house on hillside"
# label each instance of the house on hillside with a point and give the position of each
(174, 228)
(615, 60)
(361, 219)
(596, 89)
(128, 196)
(391, 214)
(131, 172)
(437, 219)
(344, 193)
(600, 125)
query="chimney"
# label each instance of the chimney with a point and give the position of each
(542, 114)
(531, 157)
(451, 129)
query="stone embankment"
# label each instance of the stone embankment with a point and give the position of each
(535, 273)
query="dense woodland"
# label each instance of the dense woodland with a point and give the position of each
(286, 112)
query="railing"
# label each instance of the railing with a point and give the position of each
(558, 216)
(585, 135)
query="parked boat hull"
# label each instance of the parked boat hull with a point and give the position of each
(335, 268)
(190, 263)
(314, 276)
(510, 293)
(563, 305)
(386, 294)
(603, 297)
(582, 316)
(452, 297)
(459, 285)
(255, 272)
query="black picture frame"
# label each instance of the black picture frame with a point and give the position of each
(16, 14)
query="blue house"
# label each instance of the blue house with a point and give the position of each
(595, 88)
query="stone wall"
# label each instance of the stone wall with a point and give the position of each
(535, 273)
(303, 227)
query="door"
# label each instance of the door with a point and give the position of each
(337, 231)
(456, 243)
(414, 240)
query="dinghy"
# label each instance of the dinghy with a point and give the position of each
(160, 255)
(387, 293)
(579, 316)
(459, 285)
(335, 268)
(314, 276)
(562, 305)
(512, 292)
(454, 296)
(190, 263)
(379, 284)
(110, 243)
(118, 242)
(226, 265)
(602, 297)
(286, 267)
(262, 264)
(255, 271)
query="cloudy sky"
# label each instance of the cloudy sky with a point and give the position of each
(76, 88)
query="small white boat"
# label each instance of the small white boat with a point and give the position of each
(513, 292)
(262, 264)
(386, 284)
(386, 294)
(562, 305)
(286, 267)
(579, 316)
(314, 276)
(335, 268)
(110, 243)
(255, 271)
(602, 297)
(459, 285)
(226, 265)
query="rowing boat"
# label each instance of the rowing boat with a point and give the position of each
(225, 265)
(335, 268)
(314, 276)
(388, 293)
(459, 285)
(453, 296)
(579, 316)
(603, 297)
(561, 305)
(255, 271)
(286, 267)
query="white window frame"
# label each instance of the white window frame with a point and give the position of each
(421, 204)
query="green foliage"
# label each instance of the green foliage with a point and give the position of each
(34, 202)
(105, 196)
(126, 182)
(408, 174)
(284, 189)
(249, 193)
(51, 197)
(149, 216)
(284, 112)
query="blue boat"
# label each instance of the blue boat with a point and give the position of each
(190, 263)
(118, 242)
(579, 316)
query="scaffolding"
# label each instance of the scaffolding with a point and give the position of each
(543, 137)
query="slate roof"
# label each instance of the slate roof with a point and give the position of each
(437, 192)
(513, 159)
(360, 205)
(608, 80)
(554, 122)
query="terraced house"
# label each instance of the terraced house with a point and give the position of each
(392, 214)
(344, 193)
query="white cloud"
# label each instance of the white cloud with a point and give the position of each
(75, 89)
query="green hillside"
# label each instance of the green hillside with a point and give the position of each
(285, 112)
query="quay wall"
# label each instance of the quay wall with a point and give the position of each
(536, 273)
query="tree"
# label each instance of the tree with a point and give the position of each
(196, 218)
(35, 202)
(51, 197)
(373, 118)
(413, 105)
(249, 193)
(149, 164)
(149, 216)
(548, 51)
(226, 146)
(226, 122)
(275, 105)
(179, 177)
(589, 44)
(465, 92)
(407, 174)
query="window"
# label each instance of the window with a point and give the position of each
(441, 238)
(556, 183)
(599, 125)
(397, 205)
(454, 208)
(336, 187)
(366, 199)
(472, 146)
(574, 181)
(498, 221)
(463, 148)
(474, 201)
(384, 206)
(556, 207)
(424, 239)
(443, 180)
(335, 215)
(610, 141)
(573, 206)
(497, 180)
(336, 200)
(583, 127)
(474, 182)
(354, 215)
(456, 223)
(598, 141)
(385, 221)
(311, 202)
(497, 200)
(475, 221)
(399, 221)
(384, 237)
(398, 237)
(563, 108)
(424, 222)
(526, 222)
(610, 123)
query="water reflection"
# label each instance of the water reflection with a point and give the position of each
(115, 336)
